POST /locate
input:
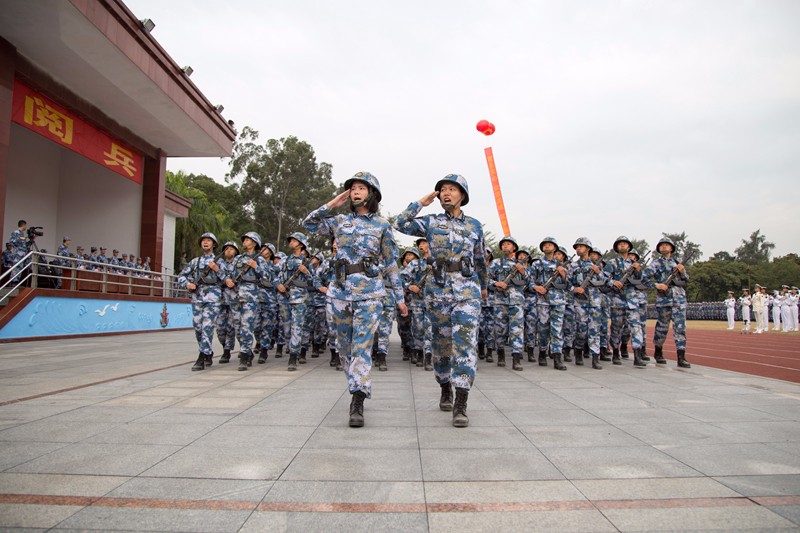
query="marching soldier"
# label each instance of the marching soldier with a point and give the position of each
(507, 279)
(549, 282)
(268, 303)
(319, 300)
(624, 306)
(250, 267)
(414, 278)
(530, 313)
(640, 297)
(453, 295)
(294, 281)
(380, 343)
(605, 305)
(229, 304)
(404, 322)
(202, 278)
(669, 278)
(365, 246)
(486, 328)
(587, 278)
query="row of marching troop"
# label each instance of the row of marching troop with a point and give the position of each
(453, 301)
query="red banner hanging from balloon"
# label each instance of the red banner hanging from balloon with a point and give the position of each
(498, 194)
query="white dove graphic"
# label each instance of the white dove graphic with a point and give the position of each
(114, 307)
(103, 312)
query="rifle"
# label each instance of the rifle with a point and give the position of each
(549, 282)
(288, 283)
(629, 271)
(247, 267)
(588, 278)
(198, 276)
(671, 278)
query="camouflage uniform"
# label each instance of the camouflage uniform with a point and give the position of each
(640, 297)
(247, 279)
(415, 274)
(381, 339)
(297, 296)
(205, 298)
(587, 308)
(355, 297)
(268, 309)
(486, 338)
(509, 306)
(671, 306)
(228, 317)
(453, 292)
(550, 307)
(319, 301)
(624, 303)
(19, 248)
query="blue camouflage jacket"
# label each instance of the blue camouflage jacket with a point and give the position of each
(657, 272)
(450, 239)
(499, 270)
(542, 270)
(208, 282)
(360, 239)
(580, 270)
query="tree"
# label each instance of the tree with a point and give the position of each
(722, 255)
(684, 248)
(281, 183)
(756, 250)
(711, 280)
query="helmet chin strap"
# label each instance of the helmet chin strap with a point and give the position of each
(356, 205)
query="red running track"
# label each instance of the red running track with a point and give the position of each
(771, 355)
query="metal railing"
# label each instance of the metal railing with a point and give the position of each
(41, 270)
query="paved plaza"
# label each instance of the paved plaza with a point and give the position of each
(116, 433)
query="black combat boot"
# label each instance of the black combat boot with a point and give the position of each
(604, 354)
(315, 349)
(429, 361)
(226, 357)
(481, 350)
(643, 353)
(250, 359)
(413, 359)
(446, 400)
(200, 364)
(460, 419)
(302, 359)
(682, 362)
(209, 360)
(637, 358)
(567, 356)
(243, 361)
(357, 409)
(279, 351)
(420, 358)
(542, 357)
(262, 357)
(578, 357)
(596, 362)
(381, 361)
(623, 349)
(406, 353)
(658, 355)
(489, 358)
(292, 363)
(531, 357)
(501, 357)
(334, 357)
(557, 363)
(615, 358)
(516, 361)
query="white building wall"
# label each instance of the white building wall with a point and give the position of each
(168, 251)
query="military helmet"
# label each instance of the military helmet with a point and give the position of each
(421, 239)
(548, 239)
(488, 251)
(299, 237)
(254, 236)
(271, 248)
(281, 256)
(668, 241)
(232, 245)
(208, 235)
(522, 251)
(509, 238)
(584, 241)
(622, 238)
(563, 251)
(458, 180)
(635, 252)
(414, 251)
(367, 178)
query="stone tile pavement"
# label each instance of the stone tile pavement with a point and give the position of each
(116, 433)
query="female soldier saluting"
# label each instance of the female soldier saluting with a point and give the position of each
(454, 293)
(365, 244)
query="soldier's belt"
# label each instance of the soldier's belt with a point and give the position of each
(452, 266)
(353, 269)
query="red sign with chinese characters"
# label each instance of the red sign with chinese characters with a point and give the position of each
(37, 113)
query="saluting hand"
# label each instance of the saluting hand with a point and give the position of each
(339, 200)
(428, 198)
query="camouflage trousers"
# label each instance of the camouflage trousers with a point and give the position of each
(604, 318)
(332, 343)
(420, 329)
(531, 322)
(355, 324)
(248, 317)
(509, 327)
(454, 332)
(284, 320)
(385, 321)
(619, 317)
(204, 317)
(267, 314)
(319, 325)
(308, 326)
(676, 313)
(587, 328)
(551, 324)
(297, 322)
(643, 322)
(486, 328)
(569, 324)
(227, 320)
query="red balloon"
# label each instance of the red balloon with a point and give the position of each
(485, 127)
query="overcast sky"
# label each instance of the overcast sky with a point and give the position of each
(612, 117)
